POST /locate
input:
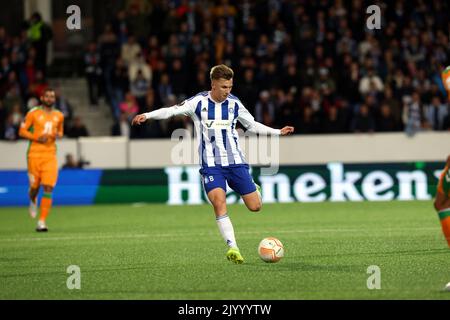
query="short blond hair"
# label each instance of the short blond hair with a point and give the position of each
(221, 71)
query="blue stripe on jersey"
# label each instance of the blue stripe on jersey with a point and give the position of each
(225, 110)
(211, 110)
(236, 114)
(227, 144)
(201, 146)
(211, 132)
(212, 139)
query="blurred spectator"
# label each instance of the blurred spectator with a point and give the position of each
(413, 114)
(3, 117)
(139, 88)
(63, 105)
(363, 121)
(435, 113)
(38, 87)
(309, 122)
(265, 109)
(11, 130)
(78, 129)
(130, 50)
(386, 121)
(333, 123)
(370, 83)
(93, 72)
(164, 89)
(39, 34)
(139, 64)
(129, 106)
(70, 162)
(121, 127)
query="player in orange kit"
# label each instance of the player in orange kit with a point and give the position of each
(42, 126)
(445, 75)
(442, 200)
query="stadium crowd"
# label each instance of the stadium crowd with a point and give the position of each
(313, 65)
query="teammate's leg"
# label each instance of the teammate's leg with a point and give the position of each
(442, 201)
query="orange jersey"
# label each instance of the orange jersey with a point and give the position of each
(39, 122)
(445, 75)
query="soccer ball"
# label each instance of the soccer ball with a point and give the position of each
(270, 249)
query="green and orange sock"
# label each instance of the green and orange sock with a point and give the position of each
(46, 204)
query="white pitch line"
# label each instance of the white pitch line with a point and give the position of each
(184, 234)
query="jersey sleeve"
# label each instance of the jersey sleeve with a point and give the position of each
(249, 123)
(186, 108)
(25, 126)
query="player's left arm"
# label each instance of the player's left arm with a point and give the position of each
(60, 131)
(248, 121)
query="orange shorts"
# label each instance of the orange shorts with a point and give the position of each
(42, 171)
(440, 187)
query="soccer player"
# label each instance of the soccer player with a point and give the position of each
(445, 76)
(215, 114)
(42, 126)
(442, 201)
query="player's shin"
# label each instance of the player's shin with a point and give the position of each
(444, 217)
(46, 204)
(226, 230)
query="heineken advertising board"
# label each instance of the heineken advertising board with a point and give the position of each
(182, 185)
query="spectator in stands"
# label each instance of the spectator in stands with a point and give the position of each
(70, 162)
(333, 123)
(38, 87)
(11, 130)
(78, 129)
(122, 127)
(63, 105)
(265, 109)
(370, 83)
(39, 34)
(435, 113)
(129, 106)
(93, 72)
(164, 89)
(139, 64)
(3, 117)
(413, 114)
(130, 50)
(386, 121)
(139, 88)
(363, 121)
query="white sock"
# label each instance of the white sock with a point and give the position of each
(226, 230)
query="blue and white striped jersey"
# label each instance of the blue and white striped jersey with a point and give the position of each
(215, 123)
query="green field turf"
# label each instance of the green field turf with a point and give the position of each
(162, 252)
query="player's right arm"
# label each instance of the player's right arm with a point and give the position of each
(25, 132)
(185, 108)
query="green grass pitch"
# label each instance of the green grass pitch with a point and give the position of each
(176, 252)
